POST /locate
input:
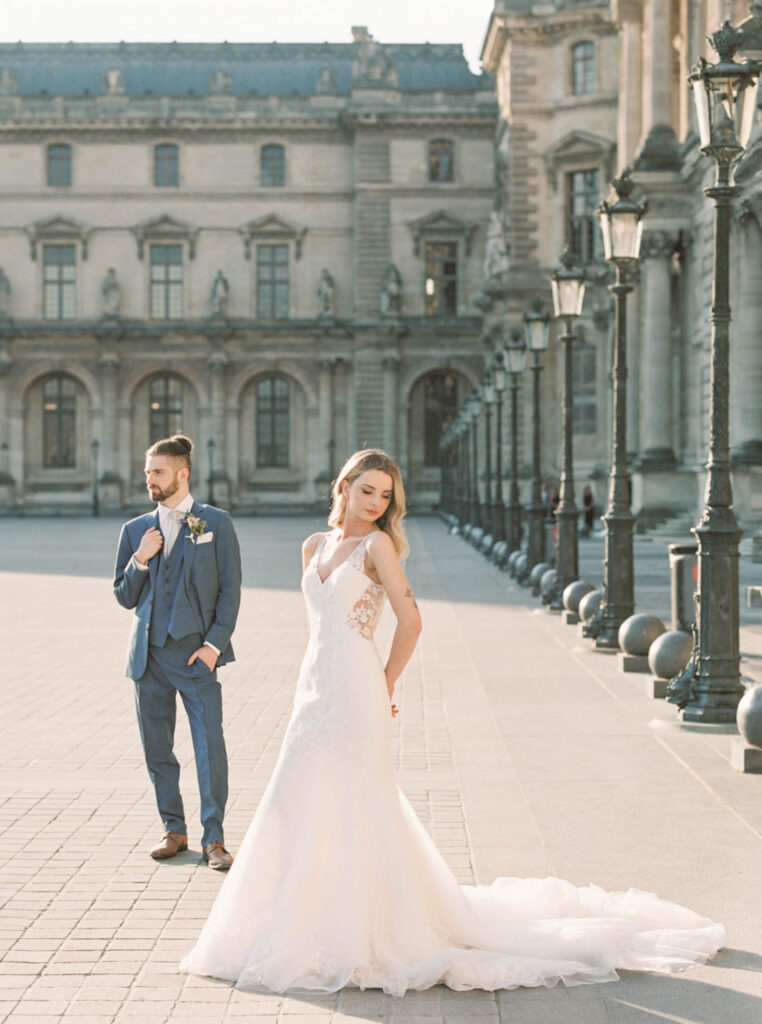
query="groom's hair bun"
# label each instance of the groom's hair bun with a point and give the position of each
(176, 447)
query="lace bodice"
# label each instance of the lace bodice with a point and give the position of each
(346, 598)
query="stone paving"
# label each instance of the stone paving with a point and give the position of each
(523, 752)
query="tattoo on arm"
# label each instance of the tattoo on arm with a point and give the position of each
(409, 593)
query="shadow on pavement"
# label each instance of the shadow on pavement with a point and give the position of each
(651, 998)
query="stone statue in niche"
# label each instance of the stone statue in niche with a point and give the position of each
(219, 82)
(325, 294)
(111, 294)
(390, 302)
(218, 300)
(114, 82)
(496, 262)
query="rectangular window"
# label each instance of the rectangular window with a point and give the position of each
(273, 166)
(441, 279)
(272, 282)
(59, 165)
(583, 68)
(59, 282)
(272, 423)
(585, 404)
(165, 166)
(583, 231)
(166, 282)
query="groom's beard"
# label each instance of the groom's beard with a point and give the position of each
(156, 494)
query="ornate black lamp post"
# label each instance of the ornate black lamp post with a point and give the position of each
(537, 331)
(498, 509)
(488, 399)
(568, 286)
(515, 357)
(95, 447)
(210, 453)
(622, 227)
(474, 402)
(461, 434)
(710, 687)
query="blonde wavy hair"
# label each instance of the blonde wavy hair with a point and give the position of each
(391, 521)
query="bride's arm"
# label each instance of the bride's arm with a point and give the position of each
(383, 558)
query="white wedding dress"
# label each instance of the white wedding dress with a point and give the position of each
(337, 882)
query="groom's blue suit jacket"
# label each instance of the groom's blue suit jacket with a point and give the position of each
(211, 585)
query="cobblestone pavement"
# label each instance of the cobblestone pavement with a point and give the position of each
(523, 752)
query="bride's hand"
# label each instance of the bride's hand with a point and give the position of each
(395, 710)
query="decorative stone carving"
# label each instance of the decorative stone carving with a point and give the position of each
(371, 66)
(110, 294)
(496, 262)
(114, 82)
(218, 300)
(391, 292)
(325, 294)
(220, 82)
(327, 82)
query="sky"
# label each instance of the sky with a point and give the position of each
(238, 21)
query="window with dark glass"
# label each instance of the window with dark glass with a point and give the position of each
(584, 383)
(272, 165)
(166, 282)
(441, 279)
(165, 412)
(440, 398)
(59, 409)
(583, 68)
(59, 164)
(273, 423)
(166, 165)
(59, 282)
(272, 282)
(583, 230)
(441, 160)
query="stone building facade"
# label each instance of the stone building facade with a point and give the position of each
(621, 98)
(272, 247)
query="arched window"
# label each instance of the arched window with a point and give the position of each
(440, 398)
(59, 164)
(273, 423)
(272, 165)
(583, 68)
(59, 410)
(166, 165)
(441, 160)
(165, 399)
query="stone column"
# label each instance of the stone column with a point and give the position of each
(390, 365)
(659, 149)
(108, 364)
(217, 363)
(656, 422)
(746, 354)
(325, 456)
(628, 15)
(6, 479)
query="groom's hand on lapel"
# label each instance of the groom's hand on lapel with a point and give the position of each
(207, 654)
(150, 544)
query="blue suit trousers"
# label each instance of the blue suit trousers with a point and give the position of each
(167, 674)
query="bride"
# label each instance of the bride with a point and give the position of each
(337, 882)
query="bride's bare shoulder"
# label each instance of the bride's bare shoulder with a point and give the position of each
(310, 544)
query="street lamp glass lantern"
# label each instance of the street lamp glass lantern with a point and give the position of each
(498, 373)
(725, 93)
(568, 287)
(537, 328)
(516, 357)
(474, 401)
(622, 222)
(488, 389)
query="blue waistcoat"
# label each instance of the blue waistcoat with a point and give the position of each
(170, 597)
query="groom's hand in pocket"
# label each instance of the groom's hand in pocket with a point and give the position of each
(150, 543)
(207, 655)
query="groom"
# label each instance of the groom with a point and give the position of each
(180, 569)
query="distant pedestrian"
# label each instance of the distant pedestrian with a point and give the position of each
(588, 507)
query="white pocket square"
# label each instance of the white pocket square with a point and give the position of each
(204, 538)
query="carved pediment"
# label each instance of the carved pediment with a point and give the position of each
(441, 225)
(57, 229)
(165, 229)
(271, 228)
(579, 147)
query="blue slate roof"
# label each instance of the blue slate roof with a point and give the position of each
(176, 69)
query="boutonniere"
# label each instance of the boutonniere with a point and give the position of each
(195, 525)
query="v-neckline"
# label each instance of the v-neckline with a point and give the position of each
(336, 567)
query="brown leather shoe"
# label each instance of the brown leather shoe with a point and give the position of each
(217, 856)
(172, 843)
